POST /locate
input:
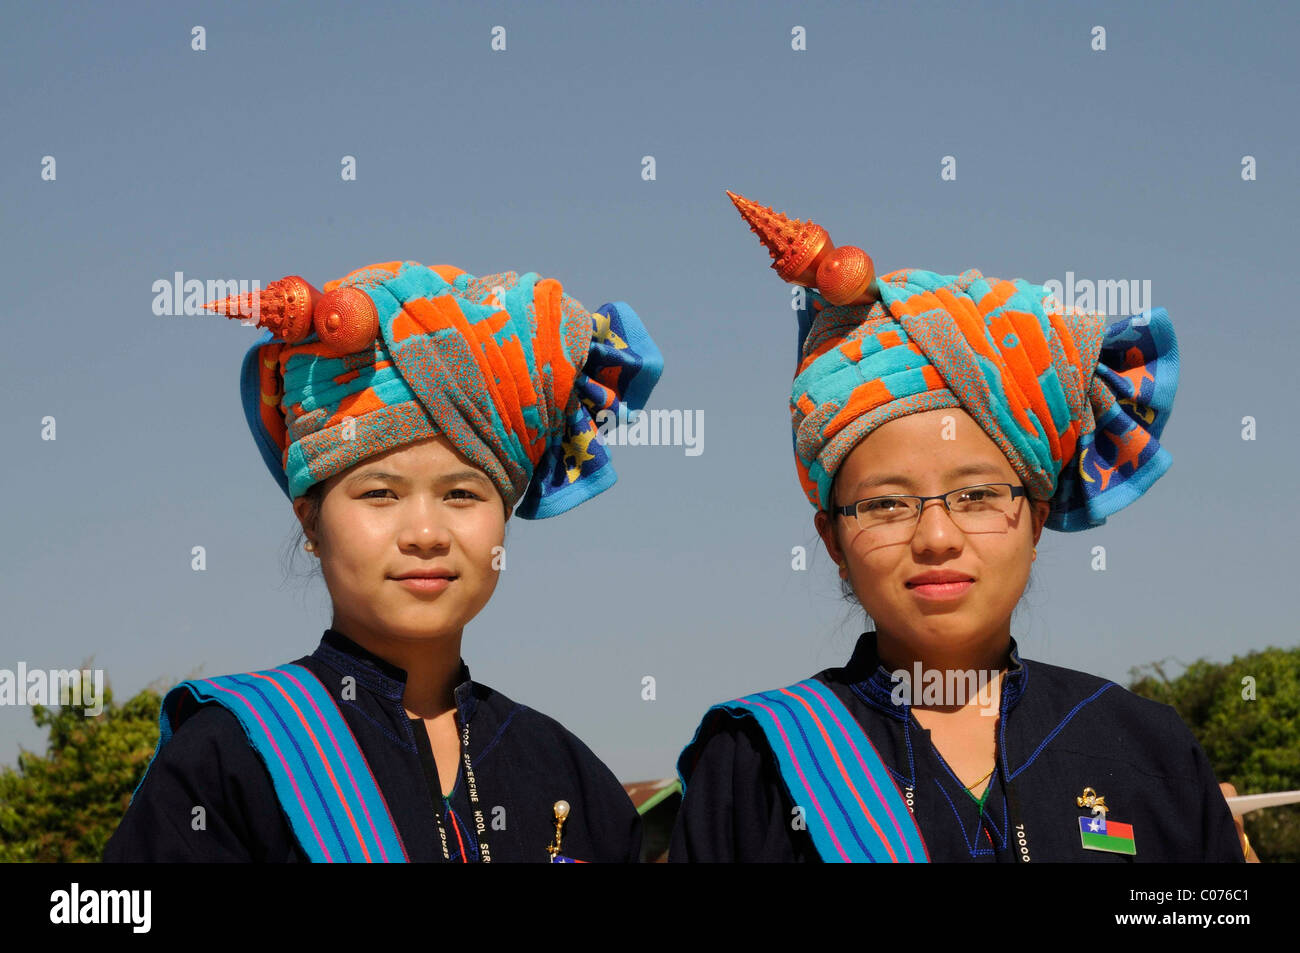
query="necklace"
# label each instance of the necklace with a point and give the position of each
(977, 783)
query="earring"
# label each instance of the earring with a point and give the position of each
(1035, 552)
(309, 546)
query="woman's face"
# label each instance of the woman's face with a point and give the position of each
(922, 454)
(421, 507)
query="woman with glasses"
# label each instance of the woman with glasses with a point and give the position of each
(406, 412)
(940, 423)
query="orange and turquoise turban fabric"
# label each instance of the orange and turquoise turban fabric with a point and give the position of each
(1077, 403)
(509, 368)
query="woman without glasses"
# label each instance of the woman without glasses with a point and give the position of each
(405, 411)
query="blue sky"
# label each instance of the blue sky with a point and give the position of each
(1120, 164)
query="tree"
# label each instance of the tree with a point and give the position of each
(1246, 715)
(64, 806)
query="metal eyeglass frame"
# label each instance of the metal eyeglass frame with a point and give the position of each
(852, 508)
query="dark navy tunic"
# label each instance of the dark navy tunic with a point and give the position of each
(523, 762)
(1058, 732)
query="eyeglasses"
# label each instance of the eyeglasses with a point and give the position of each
(974, 509)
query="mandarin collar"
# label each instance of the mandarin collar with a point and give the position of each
(866, 672)
(383, 677)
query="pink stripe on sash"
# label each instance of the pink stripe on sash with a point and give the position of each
(321, 716)
(279, 754)
(830, 711)
(334, 782)
(844, 772)
(816, 804)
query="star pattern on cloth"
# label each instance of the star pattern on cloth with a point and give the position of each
(1131, 444)
(1139, 372)
(575, 450)
(603, 332)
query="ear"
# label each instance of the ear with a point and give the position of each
(300, 508)
(825, 524)
(1041, 510)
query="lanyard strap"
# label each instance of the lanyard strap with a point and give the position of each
(1017, 834)
(480, 825)
(471, 784)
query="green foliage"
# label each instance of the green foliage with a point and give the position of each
(64, 806)
(1252, 742)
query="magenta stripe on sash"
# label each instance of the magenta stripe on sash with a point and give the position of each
(807, 787)
(279, 754)
(858, 755)
(334, 740)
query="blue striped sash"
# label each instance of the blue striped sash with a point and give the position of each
(321, 777)
(832, 771)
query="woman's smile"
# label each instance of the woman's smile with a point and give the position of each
(940, 585)
(940, 591)
(426, 584)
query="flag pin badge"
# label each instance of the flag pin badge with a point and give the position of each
(1098, 832)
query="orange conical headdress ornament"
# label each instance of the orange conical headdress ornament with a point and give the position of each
(803, 253)
(344, 319)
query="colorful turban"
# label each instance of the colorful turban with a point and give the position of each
(1076, 404)
(509, 368)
